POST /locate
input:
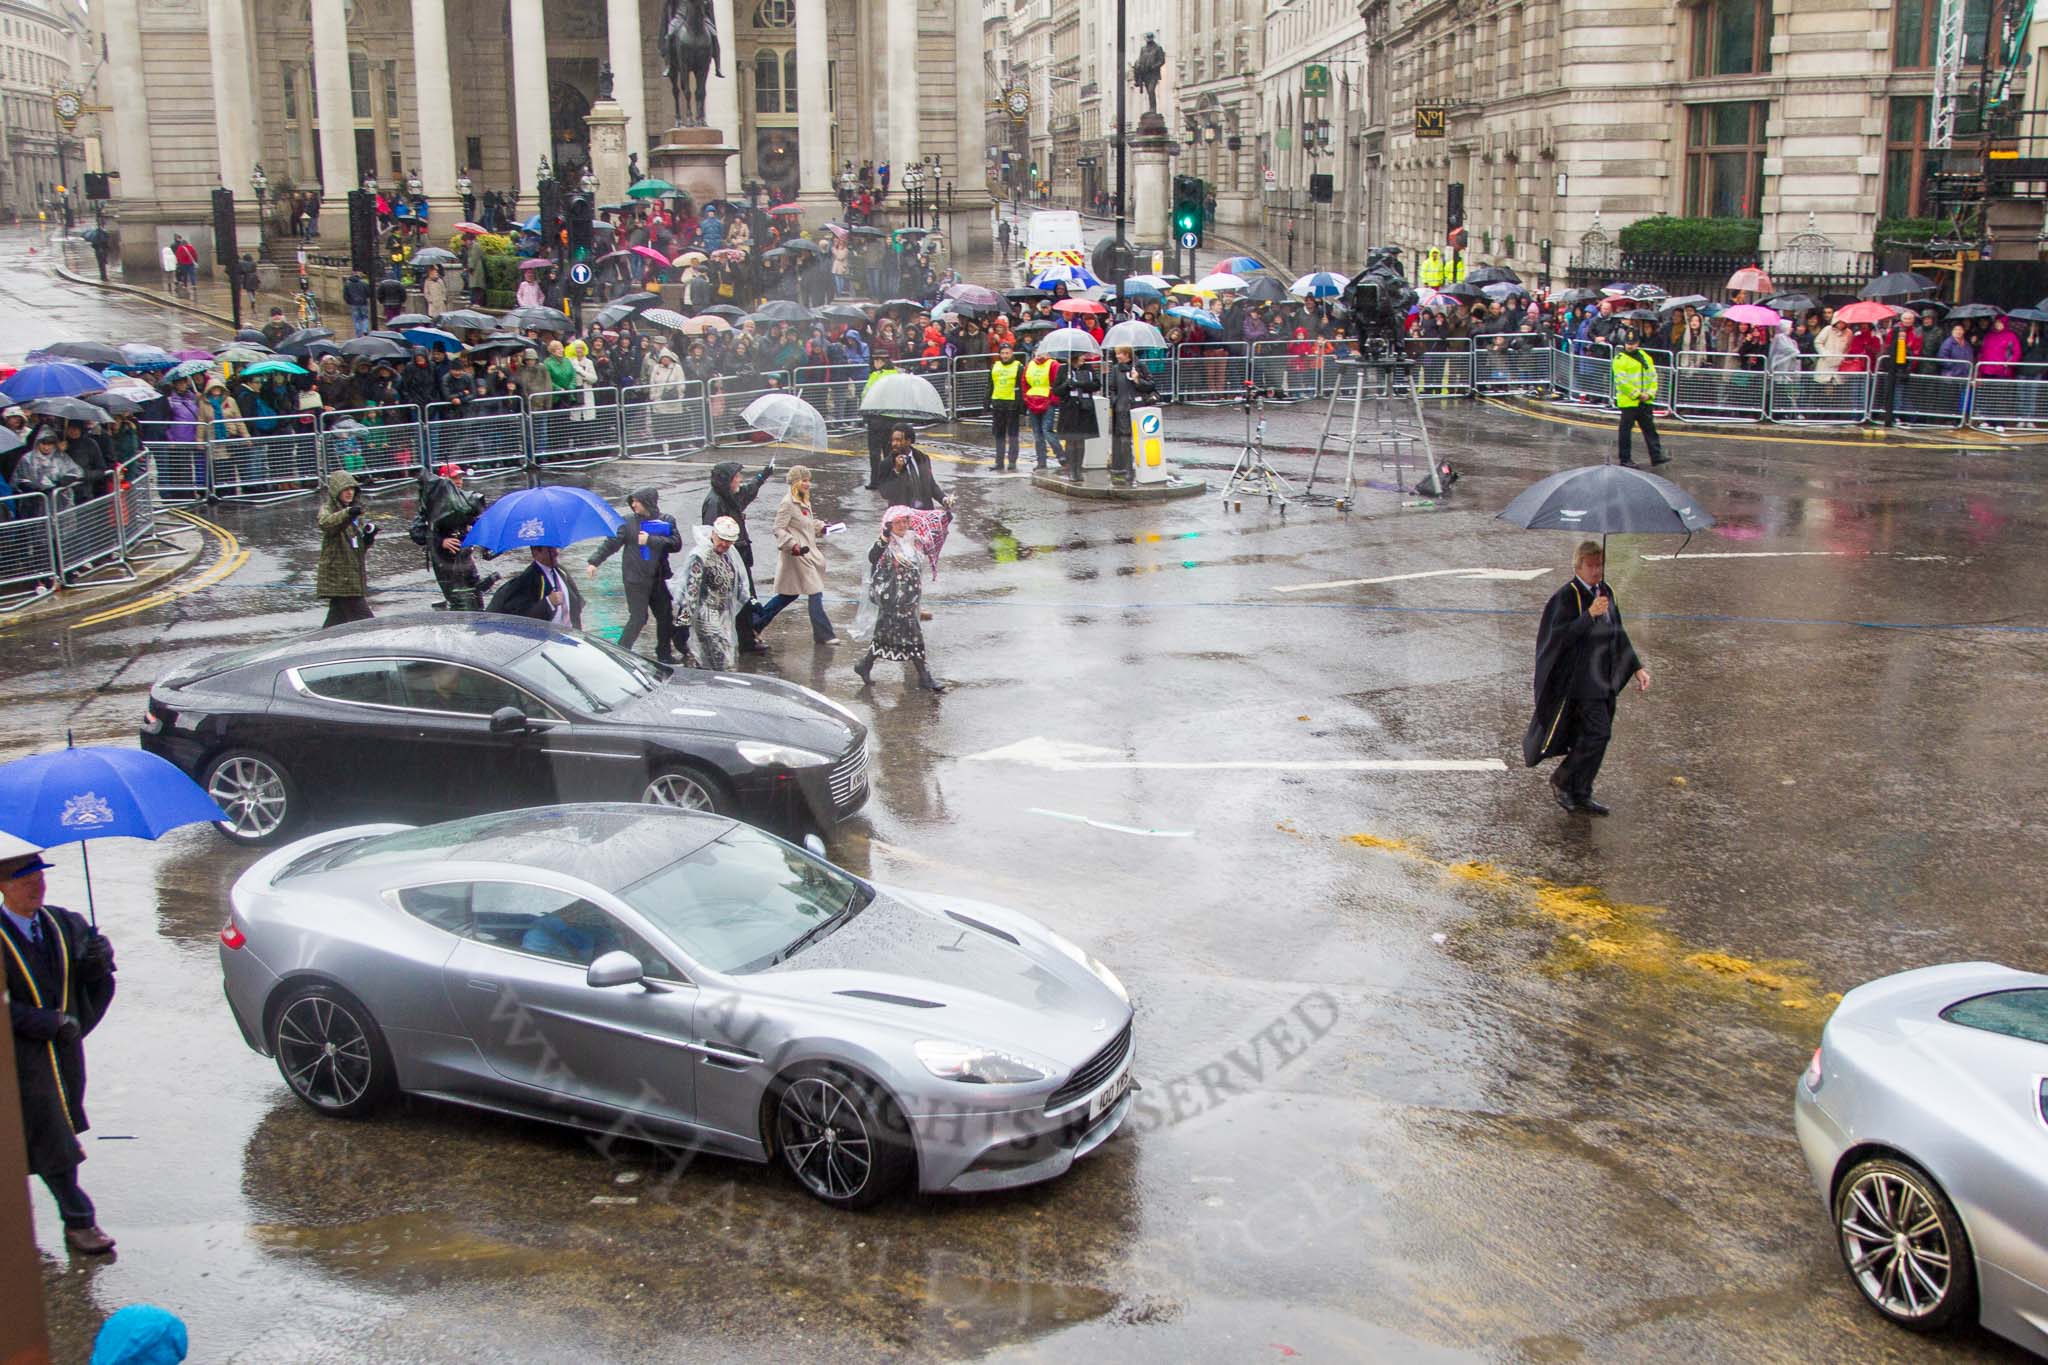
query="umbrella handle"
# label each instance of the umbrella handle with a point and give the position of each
(85, 855)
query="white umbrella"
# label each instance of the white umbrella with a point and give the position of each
(904, 397)
(1159, 282)
(1136, 334)
(663, 318)
(12, 847)
(1220, 283)
(787, 418)
(1067, 341)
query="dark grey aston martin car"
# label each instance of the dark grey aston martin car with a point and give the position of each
(680, 977)
(429, 716)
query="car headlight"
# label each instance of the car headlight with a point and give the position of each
(975, 1065)
(779, 755)
(1080, 956)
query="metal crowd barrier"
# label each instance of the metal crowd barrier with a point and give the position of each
(726, 403)
(88, 536)
(1715, 387)
(374, 444)
(1444, 369)
(971, 387)
(834, 390)
(179, 466)
(1811, 396)
(28, 550)
(2016, 400)
(265, 468)
(1210, 371)
(1928, 395)
(1509, 362)
(488, 445)
(1286, 377)
(660, 428)
(580, 428)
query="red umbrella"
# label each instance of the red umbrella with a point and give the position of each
(475, 229)
(1751, 279)
(787, 208)
(1865, 310)
(1078, 306)
(651, 254)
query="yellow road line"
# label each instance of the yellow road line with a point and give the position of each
(1871, 438)
(232, 558)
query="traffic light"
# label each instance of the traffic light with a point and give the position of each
(96, 185)
(1187, 208)
(582, 225)
(224, 252)
(1454, 205)
(362, 233)
(550, 214)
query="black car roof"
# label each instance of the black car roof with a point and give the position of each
(475, 637)
(607, 844)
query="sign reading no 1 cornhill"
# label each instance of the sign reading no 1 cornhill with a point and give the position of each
(1429, 120)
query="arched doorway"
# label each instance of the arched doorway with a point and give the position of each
(568, 117)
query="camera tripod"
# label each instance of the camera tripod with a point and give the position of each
(1382, 381)
(1253, 473)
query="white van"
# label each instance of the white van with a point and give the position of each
(1052, 237)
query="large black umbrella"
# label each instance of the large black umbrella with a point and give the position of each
(863, 230)
(911, 304)
(1266, 289)
(97, 354)
(635, 301)
(535, 318)
(2027, 315)
(1492, 274)
(802, 244)
(1464, 289)
(375, 348)
(253, 335)
(728, 311)
(1791, 303)
(1024, 295)
(782, 310)
(1611, 499)
(844, 312)
(1571, 296)
(1682, 301)
(1898, 284)
(1974, 312)
(502, 342)
(66, 409)
(306, 335)
(405, 320)
(466, 320)
(612, 314)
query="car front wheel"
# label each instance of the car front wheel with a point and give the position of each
(841, 1137)
(331, 1052)
(254, 792)
(1904, 1244)
(685, 788)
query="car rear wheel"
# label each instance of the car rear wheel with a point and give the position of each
(257, 795)
(685, 788)
(1904, 1244)
(331, 1052)
(842, 1137)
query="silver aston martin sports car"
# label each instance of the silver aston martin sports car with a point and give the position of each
(680, 977)
(1924, 1117)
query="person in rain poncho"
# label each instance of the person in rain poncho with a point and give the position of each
(714, 594)
(730, 495)
(345, 538)
(47, 469)
(891, 604)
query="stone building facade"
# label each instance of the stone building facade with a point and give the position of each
(1569, 117)
(323, 93)
(1218, 113)
(43, 47)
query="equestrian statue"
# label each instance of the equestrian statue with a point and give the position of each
(689, 48)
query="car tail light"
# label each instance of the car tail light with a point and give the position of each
(1814, 1073)
(231, 934)
(152, 723)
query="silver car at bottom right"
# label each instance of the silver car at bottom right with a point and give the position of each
(1924, 1119)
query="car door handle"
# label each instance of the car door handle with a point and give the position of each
(477, 984)
(731, 1057)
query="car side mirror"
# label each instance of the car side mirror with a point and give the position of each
(613, 969)
(508, 720)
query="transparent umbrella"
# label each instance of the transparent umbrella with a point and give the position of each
(787, 418)
(1136, 334)
(905, 398)
(1066, 341)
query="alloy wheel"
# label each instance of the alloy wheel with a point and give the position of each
(824, 1138)
(252, 794)
(1896, 1245)
(324, 1052)
(680, 790)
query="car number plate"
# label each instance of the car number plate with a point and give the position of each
(1106, 1098)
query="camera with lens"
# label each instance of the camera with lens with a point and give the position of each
(1376, 300)
(367, 530)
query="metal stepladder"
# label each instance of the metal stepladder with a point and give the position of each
(1386, 418)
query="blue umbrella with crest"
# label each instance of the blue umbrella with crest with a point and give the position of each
(99, 793)
(555, 514)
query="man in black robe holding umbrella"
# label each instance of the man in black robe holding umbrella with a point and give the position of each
(1583, 661)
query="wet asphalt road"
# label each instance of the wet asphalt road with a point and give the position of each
(1432, 1070)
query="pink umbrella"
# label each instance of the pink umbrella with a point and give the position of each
(1864, 310)
(193, 355)
(1753, 315)
(651, 254)
(1078, 306)
(536, 263)
(1751, 279)
(474, 229)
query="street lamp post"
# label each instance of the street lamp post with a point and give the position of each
(260, 183)
(1123, 79)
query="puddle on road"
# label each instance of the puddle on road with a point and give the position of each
(409, 1246)
(1597, 931)
(1005, 548)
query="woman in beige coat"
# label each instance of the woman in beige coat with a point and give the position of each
(1829, 347)
(800, 536)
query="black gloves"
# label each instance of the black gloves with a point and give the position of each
(68, 1032)
(97, 957)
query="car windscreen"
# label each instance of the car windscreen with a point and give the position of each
(744, 900)
(585, 674)
(2016, 1014)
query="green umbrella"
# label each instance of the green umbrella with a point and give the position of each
(650, 188)
(273, 367)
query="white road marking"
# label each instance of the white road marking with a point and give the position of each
(1479, 575)
(1756, 554)
(1066, 756)
(1116, 829)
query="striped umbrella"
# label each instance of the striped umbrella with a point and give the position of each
(1317, 284)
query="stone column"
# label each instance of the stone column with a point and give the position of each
(813, 118)
(122, 86)
(380, 137)
(531, 115)
(338, 171)
(969, 225)
(900, 75)
(436, 103)
(629, 76)
(234, 104)
(302, 95)
(722, 97)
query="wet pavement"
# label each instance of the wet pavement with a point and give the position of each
(1431, 1070)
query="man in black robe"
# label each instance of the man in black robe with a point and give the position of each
(1583, 661)
(60, 980)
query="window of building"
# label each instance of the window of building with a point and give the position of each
(391, 90)
(767, 81)
(1914, 40)
(775, 14)
(359, 84)
(1731, 38)
(291, 92)
(1905, 157)
(1724, 159)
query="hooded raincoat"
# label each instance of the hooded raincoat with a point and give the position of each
(343, 546)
